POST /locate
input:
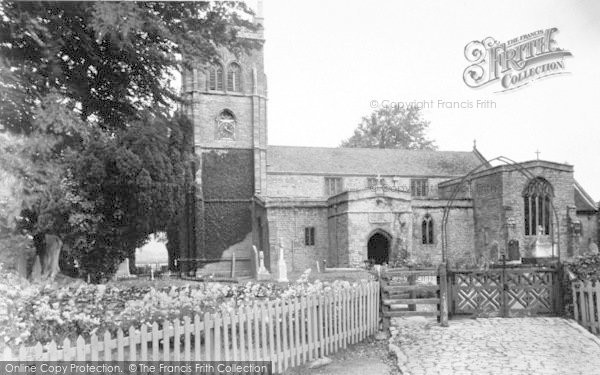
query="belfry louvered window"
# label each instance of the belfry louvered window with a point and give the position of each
(215, 78)
(537, 201)
(233, 77)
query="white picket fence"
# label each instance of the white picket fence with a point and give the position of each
(286, 333)
(586, 302)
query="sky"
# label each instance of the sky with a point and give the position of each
(331, 62)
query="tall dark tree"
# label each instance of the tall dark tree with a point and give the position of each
(122, 189)
(86, 88)
(392, 127)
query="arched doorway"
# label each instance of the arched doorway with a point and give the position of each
(378, 248)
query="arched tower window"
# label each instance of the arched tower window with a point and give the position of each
(215, 78)
(226, 125)
(234, 77)
(427, 229)
(537, 201)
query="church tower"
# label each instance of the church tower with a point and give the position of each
(227, 103)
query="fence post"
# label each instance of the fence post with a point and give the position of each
(383, 309)
(233, 265)
(558, 279)
(443, 295)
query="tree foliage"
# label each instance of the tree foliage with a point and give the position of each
(392, 127)
(112, 59)
(125, 188)
(586, 267)
(91, 145)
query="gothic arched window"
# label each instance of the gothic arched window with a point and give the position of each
(537, 201)
(215, 78)
(226, 125)
(427, 229)
(234, 77)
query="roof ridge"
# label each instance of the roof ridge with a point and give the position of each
(362, 161)
(585, 194)
(368, 148)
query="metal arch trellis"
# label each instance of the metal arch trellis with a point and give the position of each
(506, 161)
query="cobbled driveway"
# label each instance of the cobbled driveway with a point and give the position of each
(495, 346)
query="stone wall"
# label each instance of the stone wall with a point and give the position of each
(460, 234)
(313, 185)
(488, 217)
(589, 230)
(288, 223)
(497, 197)
(232, 170)
(360, 214)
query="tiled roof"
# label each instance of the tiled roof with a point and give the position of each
(583, 201)
(369, 161)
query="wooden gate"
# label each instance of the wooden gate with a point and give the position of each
(505, 291)
(413, 292)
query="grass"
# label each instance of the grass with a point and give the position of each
(162, 282)
(157, 283)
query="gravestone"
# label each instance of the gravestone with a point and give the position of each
(281, 266)
(543, 246)
(513, 250)
(36, 271)
(123, 270)
(255, 264)
(22, 265)
(494, 252)
(592, 247)
(263, 273)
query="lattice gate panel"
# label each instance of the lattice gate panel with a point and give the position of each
(477, 292)
(529, 292)
(503, 292)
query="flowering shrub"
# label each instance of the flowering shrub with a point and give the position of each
(14, 292)
(30, 313)
(586, 267)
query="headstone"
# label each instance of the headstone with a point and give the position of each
(123, 270)
(592, 247)
(543, 246)
(494, 251)
(36, 271)
(255, 263)
(281, 266)
(22, 265)
(513, 250)
(263, 273)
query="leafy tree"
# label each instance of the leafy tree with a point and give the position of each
(85, 88)
(125, 188)
(392, 127)
(32, 164)
(113, 60)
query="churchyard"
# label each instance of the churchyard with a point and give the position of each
(172, 318)
(128, 123)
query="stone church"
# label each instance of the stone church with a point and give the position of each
(349, 206)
